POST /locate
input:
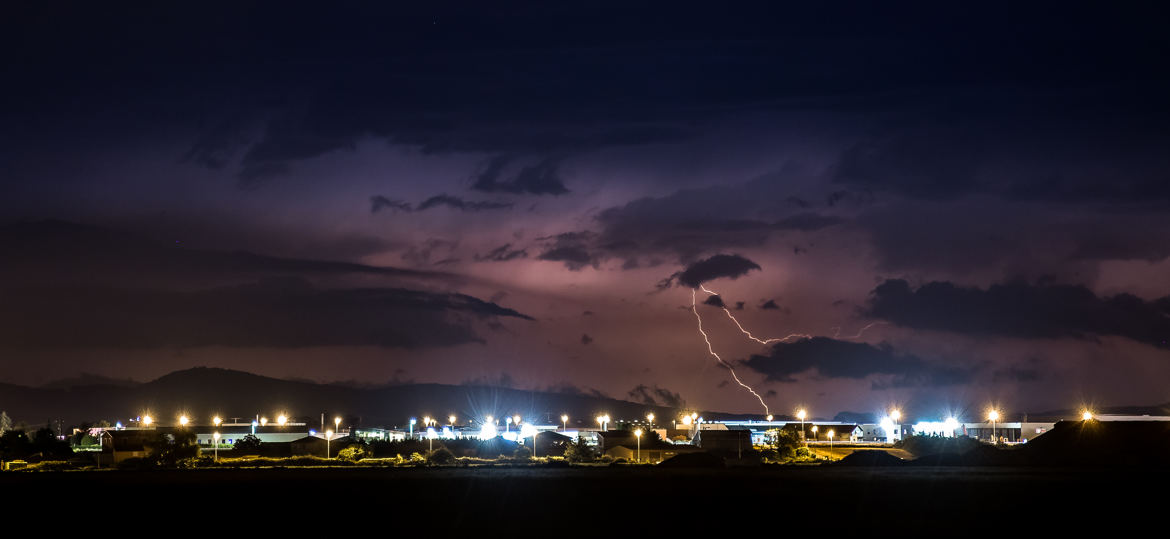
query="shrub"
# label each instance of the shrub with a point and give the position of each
(441, 456)
(355, 453)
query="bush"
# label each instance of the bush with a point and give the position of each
(441, 457)
(355, 453)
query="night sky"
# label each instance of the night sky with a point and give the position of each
(527, 195)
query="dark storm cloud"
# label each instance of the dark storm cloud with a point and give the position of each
(715, 301)
(1021, 310)
(1019, 238)
(655, 396)
(716, 267)
(68, 285)
(770, 305)
(586, 339)
(379, 202)
(690, 223)
(502, 253)
(472, 80)
(542, 178)
(841, 359)
(61, 252)
(275, 313)
(1025, 147)
(571, 248)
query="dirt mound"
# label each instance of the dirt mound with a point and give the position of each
(693, 460)
(872, 457)
(1100, 443)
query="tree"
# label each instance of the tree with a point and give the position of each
(44, 441)
(14, 444)
(785, 442)
(248, 445)
(172, 449)
(579, 451)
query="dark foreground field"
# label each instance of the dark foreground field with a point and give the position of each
(870, 500)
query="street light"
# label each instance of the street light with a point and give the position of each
(281, 419)
(507, 423)
(183, 420)
(830, 433)
(814, 431)
(896, 415)
(564, 422)
(147, 420)
(215, 442)
(1086, 416)
(801, 414)
(412, 422)
(600, 422)
(606, 417)
(993, 415)
(650, 418)
(263, 421)
(337, 423)
(638, 436)
(451, 420)
(516, 420)
(328, 437)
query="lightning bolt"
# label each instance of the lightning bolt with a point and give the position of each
(748, 333)
(859, 332)
(695, 309)
(787, 338)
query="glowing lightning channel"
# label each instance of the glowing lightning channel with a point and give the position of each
(749, 334)
(860, 331)
(695, 309)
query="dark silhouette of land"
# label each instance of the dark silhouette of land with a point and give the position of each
(202, 392)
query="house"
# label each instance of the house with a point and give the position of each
(119, 445)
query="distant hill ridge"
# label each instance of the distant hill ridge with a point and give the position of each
(206, 391)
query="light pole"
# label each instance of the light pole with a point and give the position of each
(896, 415)
(337, 424)
(993, 416)
(564, 422)
(215, 443)
(328, 437)
(800, 414)
(830, 433)
(650, 419)
(638, 437)
(600, 422)
(411, 431)
(507, 423)
(814, 431)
